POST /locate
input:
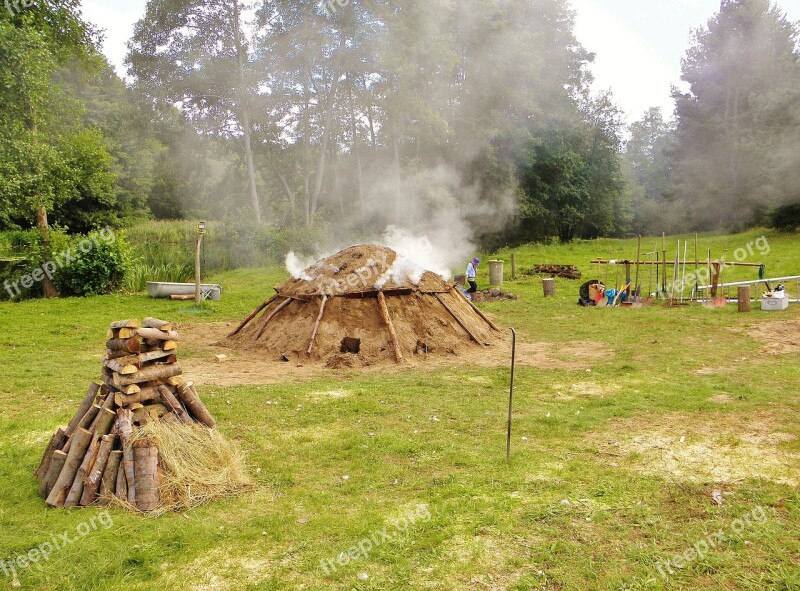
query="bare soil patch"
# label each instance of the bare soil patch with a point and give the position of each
(254, 367)
(721, 448)
(781, 338)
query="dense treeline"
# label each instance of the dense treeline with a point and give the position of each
(730, 159)
(474, 119)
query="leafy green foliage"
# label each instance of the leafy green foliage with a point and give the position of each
(102, 261)
(786, 218)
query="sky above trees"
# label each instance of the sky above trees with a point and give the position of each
(638, 44)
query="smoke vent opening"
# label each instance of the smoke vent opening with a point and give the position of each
(350, 345)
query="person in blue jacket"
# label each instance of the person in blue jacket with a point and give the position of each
(472, 273)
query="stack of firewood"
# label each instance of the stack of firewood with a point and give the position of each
(563, 271)
(96, 457)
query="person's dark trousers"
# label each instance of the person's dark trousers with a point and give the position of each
(473, 286)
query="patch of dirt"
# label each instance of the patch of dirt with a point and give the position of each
(722, 398)
(221, 569)
(781, 338)
(722, 448)
(711, 371)
(253, 367)
(493, 295)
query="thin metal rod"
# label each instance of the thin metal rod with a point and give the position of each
(511, 391)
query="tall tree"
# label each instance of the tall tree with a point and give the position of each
(743, 72)
(193, 53)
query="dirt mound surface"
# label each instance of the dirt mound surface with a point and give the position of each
(493, 295)
(362, 306)
(362, 269)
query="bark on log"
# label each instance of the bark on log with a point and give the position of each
(122, 333)
(159, 324)
(174, 404)
(108, 484)
(147, 394)
(127, 390)
(316, 325)
(744, 299)
(270, 316)
(126, 324)
(150, 413)
(125, 428)
(102, 426)
(80, 441)
(53, 470)
(89, 417)
(145, 453)
(57, 442)
(91, 483)
(157, 335)
(88, 402)
(189, 396)
(129, 345)
(457, 319)
(75, 492)
(252, 316)
(148, 374)
(387, 320)
(121, 489)
(121, 366)
(476, 309)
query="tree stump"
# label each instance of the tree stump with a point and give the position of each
(549, 286)
(744, 298)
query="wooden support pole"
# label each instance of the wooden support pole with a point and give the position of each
(475, 308)
(108, 484)
(272, 315)
(76, 490)
(387, 320)
(252, 316)
(145, 454)
(457, 319)
(91, 483)
(88, 402)
(172, 403)
(57, 442)
(125, 429)
(190, 397)
(53, 471)
(322, 303)
(513, 265)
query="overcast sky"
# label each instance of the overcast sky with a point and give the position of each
(638, 43)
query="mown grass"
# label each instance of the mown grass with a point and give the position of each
(435, 438)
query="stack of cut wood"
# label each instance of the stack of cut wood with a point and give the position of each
(563, 271)
(96, 456)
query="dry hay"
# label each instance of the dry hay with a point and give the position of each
(723, 448)
(197, 465)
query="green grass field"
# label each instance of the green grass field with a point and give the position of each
(615, 457)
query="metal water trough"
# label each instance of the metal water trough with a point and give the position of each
(158, 289)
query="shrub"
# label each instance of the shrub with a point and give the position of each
(101, 261)
(786, 218)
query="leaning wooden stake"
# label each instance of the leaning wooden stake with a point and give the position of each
(125, 428)
(53, 470)
(457, 319)
(91, 483)
(252, 316)
(271, 316)
(189, 396)
(398, 353)
(88, 402)
(108, 484)
(316, 325)
(80, 443)
(477, 310)
(57, 442)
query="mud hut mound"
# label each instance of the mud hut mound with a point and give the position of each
(362, 306)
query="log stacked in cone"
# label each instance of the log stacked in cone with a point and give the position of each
(96, 457)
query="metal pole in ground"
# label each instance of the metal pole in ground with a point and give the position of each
(198, 296)
(511, 391)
